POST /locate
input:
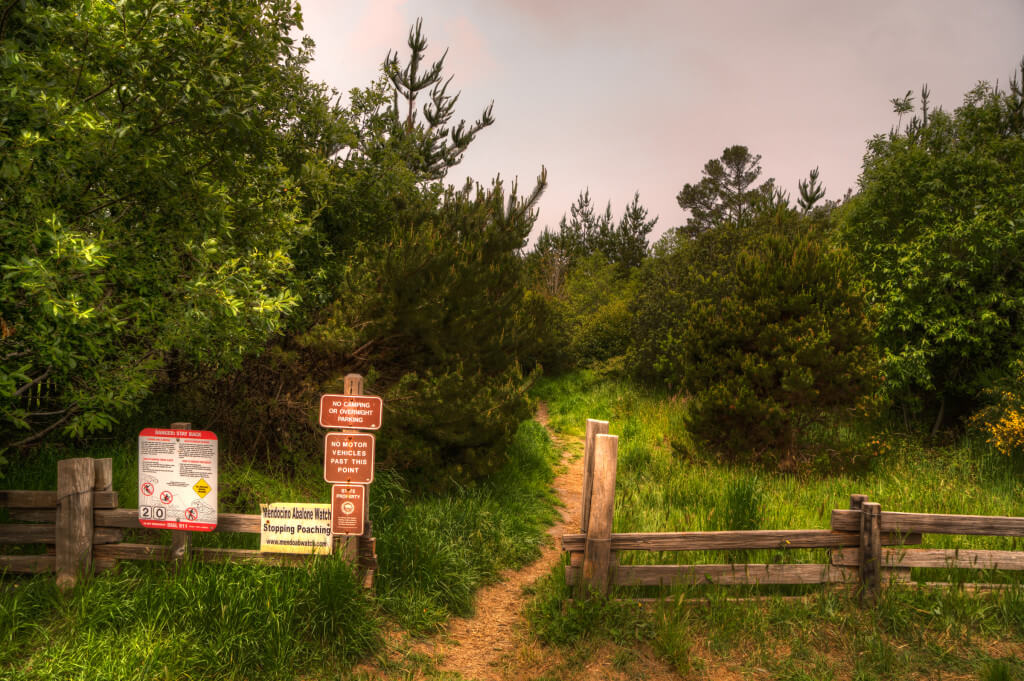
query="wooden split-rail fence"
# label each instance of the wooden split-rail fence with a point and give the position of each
(83, 529)
(868, 546)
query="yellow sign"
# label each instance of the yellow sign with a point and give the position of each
(296, 528)
(202, 488)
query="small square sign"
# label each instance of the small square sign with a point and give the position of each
(348, 458)
(348, 504)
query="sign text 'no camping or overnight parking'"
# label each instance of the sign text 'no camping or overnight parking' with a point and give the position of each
(361, 412)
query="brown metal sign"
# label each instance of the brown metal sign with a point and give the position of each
(348, 457)
(348, 503)
(362, 412)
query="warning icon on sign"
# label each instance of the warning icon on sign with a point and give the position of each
(202, 488)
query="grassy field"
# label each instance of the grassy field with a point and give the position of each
(210, 621)
(662, 485)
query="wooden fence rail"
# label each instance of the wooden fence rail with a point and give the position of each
(83, 529)
(867, 546)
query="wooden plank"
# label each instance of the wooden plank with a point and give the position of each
(226, 522)
(28, 534)
(47, 534)
(939, 558)
(28, 564)
(74, 526)
(33, 515)
(19, 498)
(594, 428)
(163, 553)
(658, 575)
(597, 556)
(732, 540)
(935, 523)
(103, 564)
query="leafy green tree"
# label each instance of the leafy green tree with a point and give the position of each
(938, 230)
(726, 193)
(151, 159)
(759, 323)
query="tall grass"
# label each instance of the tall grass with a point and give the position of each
(662, 486)
(666, 484)
(197, 620)
(435, 552)
(247, 621)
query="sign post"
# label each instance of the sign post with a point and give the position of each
(348, 463)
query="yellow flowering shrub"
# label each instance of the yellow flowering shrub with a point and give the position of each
(1003, 421)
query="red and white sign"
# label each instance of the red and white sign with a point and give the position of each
(178, 479)
(348, 457)
(348, 503)
(362, 412)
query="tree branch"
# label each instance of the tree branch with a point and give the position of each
(45, 431)
(28, 386)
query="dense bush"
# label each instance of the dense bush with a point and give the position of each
(149, 170)
(938, 231)
(762, 325)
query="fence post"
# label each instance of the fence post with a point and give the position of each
(594, 428)
(597, 559)
(75, 479)
(870, 552)
(181, 540)
(365, 549)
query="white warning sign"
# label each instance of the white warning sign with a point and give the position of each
(178, 479)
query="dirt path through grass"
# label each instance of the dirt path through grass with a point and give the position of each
(494, 643)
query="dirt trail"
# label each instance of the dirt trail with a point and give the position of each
(494, 644)
(487, 645)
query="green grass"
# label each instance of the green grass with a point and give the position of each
(665, 484)
(233, 621)
(663, 487)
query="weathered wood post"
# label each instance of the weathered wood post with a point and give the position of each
(365, 546)
(74, 529)
(870, 552)
(597, 555)
(594, 428)
(181, 540)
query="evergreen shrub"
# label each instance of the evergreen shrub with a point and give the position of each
(763, 326)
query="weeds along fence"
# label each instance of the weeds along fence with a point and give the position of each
(868, 547)
(83, 529)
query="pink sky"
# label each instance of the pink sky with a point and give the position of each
(619, 97)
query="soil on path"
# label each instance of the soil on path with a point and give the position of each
(494, 644)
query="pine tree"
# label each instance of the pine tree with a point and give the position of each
(725, 194)
(432, 147)
(811, 191)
